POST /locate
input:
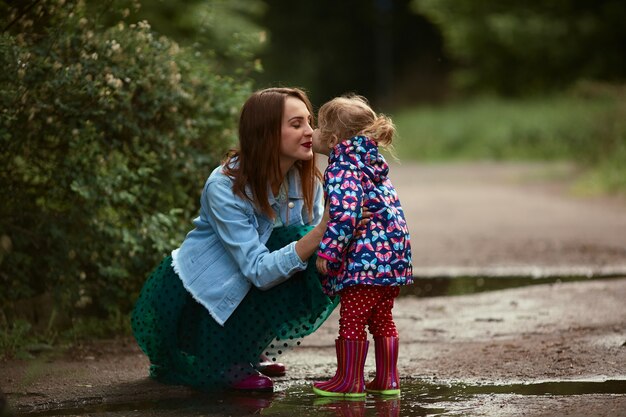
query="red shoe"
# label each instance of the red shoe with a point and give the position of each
(267, 367)
(256, 382)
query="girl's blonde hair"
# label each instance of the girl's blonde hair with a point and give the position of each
(351, 115)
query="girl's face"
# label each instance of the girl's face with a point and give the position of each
(296, 143)
(319, 146)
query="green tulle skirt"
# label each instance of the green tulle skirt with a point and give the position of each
(187, 347)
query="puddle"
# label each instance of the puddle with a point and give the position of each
(441, 286)
(417, 399)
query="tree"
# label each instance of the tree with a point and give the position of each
(515, 48)
(223, 29)
(377, 48)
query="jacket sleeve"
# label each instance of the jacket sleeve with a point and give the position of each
(234, 226)
(344, 195)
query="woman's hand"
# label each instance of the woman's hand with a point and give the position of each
(326, 216)
(308, 244)
(322, 265)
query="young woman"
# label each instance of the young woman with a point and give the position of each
(240, 281)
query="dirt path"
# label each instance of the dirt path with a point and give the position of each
(515, 219)
(477, 219)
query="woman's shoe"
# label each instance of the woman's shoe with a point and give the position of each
(255, 382)
(348, 380)
(267, 367)
(386, 381)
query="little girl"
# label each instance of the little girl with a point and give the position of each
(366, 267)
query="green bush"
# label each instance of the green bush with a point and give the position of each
(106, 137)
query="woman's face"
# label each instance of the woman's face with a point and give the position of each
(296, 143)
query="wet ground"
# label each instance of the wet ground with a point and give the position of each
(504, 321)
(553, 349)
(417, 399)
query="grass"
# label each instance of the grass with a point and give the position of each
(490, 128)
(20, 340)
(586, 126)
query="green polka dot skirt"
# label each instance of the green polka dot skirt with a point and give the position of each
(187, 347)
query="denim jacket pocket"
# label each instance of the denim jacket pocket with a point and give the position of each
(239, 288)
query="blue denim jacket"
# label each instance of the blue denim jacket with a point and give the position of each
(225, 254)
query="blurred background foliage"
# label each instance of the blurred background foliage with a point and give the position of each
(519, 48)
(113, 113)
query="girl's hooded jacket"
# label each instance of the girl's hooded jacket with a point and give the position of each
(378, 253)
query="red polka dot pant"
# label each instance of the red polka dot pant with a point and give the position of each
(369, 305)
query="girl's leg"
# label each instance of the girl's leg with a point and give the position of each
(358, 303)
(386, 345)
(380, 321)
(351, 346)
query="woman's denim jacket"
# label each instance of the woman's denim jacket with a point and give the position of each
(225, 254)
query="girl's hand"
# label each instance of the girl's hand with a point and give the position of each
(366, 215)
(322, 265)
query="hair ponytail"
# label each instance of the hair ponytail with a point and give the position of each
(381, 130)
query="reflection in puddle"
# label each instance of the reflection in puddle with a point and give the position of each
(417, 399)
(442, 286)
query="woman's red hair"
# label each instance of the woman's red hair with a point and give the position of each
(256, 162)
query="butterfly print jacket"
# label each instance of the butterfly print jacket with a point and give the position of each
(378, 253)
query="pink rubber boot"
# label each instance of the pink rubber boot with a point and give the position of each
(348, 380)
(386, 381)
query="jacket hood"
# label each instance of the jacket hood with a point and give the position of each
(362, 152)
